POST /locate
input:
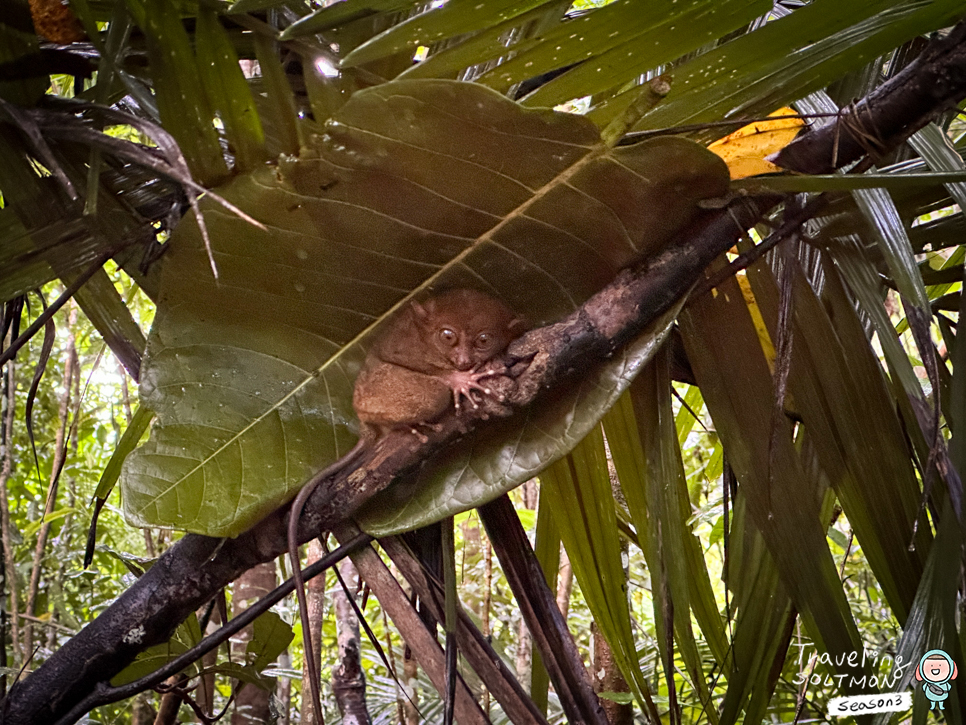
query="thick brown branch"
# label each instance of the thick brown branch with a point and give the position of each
(934, 82)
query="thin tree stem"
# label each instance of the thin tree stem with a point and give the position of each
(10, 569)
(57, 464)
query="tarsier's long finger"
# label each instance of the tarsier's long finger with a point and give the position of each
(487, 391)
(457, 394)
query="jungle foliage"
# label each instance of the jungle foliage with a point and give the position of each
(237, 195)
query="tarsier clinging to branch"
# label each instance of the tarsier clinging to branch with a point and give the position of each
(428, 356)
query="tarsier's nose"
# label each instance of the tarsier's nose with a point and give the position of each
(462, 359)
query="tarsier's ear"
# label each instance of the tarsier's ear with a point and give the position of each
(517, 326)
(420, 310)
(955, 672)
(919, 671)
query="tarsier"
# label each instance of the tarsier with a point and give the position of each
(427, 359)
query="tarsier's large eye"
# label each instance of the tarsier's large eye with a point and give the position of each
(447, 336)
(484, 340)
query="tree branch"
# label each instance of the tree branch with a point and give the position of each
(932, 83)
(103, 694)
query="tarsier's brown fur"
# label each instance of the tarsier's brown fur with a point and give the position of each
(430, 355)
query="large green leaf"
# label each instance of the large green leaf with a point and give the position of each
(932, 620)
(271, 636)
(185, 108)
(786, 59)
(643, 443)
(840, 392)
(489, 43)
(582, 504)
(783, 497)
(763, 623)
(415, 184)
(231, 97)
(333, 15)
(619, 42)
(445, 21)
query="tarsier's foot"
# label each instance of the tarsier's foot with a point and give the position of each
(464, 382)
(420, 436)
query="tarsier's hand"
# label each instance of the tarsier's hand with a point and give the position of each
(486, 389)
(464, 383)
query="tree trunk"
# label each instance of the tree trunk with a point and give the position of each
(523, 645)
(608, 678)
(410, 679)
(283, 691)
(252, 703)
(315, 594)
(348, 679)
(170, 704)
(565, 583)
(142, 712)
(206, 687)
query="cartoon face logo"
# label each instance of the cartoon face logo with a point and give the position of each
(935, 670)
